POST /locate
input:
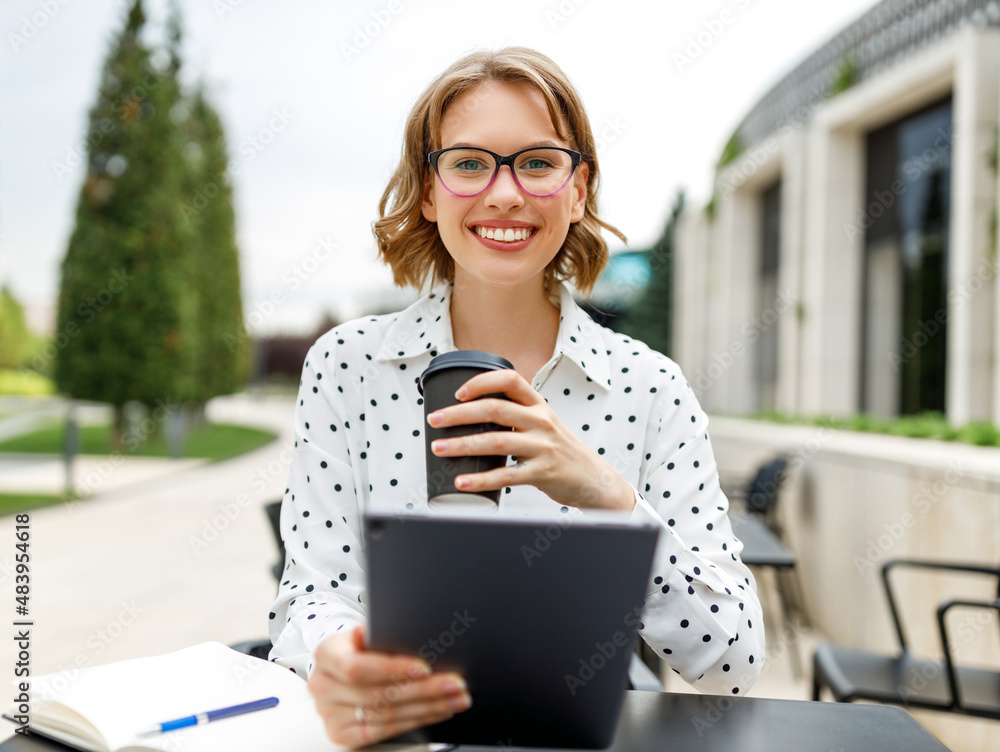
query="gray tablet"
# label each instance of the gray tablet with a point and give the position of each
(539, 616)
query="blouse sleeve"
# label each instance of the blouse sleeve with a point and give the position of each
(323, 581)
(701, 613)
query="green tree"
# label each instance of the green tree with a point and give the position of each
(15, 339)
(215, 271)
(651, 317)
(125, 301)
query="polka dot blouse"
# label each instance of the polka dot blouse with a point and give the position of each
(359, 444)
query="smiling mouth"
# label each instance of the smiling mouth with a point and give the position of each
(504, 234)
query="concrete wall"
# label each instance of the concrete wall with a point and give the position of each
(853, 500)
(819, 155)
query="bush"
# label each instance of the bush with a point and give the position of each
(981, 433)
(923, 426)
(928, 425)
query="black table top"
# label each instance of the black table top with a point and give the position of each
(680, 722)
(761, 547)
(665, 722)
(658, 721)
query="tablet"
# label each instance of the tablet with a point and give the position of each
(538, 615)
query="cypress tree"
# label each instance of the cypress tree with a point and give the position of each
(215, 273)
(124, 301)
(651, 317)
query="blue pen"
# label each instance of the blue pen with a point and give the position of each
(211, 715)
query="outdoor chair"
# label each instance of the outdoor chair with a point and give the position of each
(754, 517)
(639, 674)
(273, 511)
(904, 679)
(760, 496)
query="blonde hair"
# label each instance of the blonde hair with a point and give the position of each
(411, 245)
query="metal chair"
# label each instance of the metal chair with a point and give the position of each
(755, 523)
(760, 498)
(273, 511)
(904, 679)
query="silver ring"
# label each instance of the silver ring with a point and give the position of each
(359, 714)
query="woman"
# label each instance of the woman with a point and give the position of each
(495, 201)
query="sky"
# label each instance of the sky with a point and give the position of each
(314, 95)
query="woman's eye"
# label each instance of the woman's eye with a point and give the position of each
(469, 165)
(536, 164)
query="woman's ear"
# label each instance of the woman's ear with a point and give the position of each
(428, 208)
(580, 178)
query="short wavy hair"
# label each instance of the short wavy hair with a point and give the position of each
(411, 245)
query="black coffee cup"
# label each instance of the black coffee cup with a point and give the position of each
(438, 384)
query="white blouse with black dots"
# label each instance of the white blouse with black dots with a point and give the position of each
(359, 444)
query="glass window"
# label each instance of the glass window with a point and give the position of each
(908, 199)
(766, 352)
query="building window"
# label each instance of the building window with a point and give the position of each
(908, 195)
(766, 353)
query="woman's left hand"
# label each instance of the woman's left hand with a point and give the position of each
(549, 456)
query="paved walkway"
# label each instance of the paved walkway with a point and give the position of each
(153, 566)
(47, 475)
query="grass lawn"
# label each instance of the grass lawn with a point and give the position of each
(13, 503)
(25, 382)
(212, 441)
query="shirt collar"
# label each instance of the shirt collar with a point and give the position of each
(425, 326)
(580, 340)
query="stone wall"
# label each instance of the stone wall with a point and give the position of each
(853, 500)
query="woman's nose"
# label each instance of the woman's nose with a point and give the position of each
(504, 194)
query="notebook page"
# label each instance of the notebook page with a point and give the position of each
(123, 698)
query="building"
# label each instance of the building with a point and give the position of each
(848, 261)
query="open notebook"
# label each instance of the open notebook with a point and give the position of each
(101, 708)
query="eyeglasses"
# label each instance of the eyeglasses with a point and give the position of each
(468, 171)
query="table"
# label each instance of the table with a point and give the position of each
(709, 723)
(658, 721)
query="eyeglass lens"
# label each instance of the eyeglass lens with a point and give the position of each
(540, 172)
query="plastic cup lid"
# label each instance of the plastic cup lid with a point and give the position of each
(485, 361)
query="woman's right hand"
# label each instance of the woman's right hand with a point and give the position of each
(365, 697)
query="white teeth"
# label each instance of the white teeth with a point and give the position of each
(508, 235)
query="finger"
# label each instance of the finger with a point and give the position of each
(523, 445)
(505, 381)
(394, 691)
(364, 722)
(495, 443)
(392, 712)
(413, 692)
(355, 735)
(491, 480)
(500, 411)
(358, 635)
(342, 663)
